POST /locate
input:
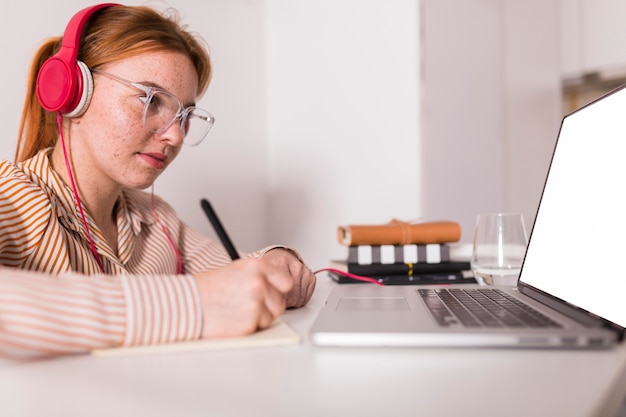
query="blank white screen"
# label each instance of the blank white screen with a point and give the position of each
(578, 241)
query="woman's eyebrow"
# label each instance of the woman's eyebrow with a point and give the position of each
(160, 87)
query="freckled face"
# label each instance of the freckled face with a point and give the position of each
(112, 140)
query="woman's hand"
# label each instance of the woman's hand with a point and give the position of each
(303, 278)
(243, 297)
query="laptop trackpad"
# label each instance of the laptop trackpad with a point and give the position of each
(372, 304)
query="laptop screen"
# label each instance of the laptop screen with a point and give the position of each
(578, 242)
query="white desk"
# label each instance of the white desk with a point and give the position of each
(304, 380)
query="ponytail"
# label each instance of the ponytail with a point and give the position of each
(38, 128)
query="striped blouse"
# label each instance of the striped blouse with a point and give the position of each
(73, 307)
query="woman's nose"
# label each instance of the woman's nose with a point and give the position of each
(174, 134)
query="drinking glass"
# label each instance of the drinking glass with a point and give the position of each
(499, 246)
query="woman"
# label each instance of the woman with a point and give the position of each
(108, 109)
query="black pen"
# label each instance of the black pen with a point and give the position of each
(219, 229)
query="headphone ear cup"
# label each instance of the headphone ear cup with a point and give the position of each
(86, 81)
(64, 84)
(61, 88)
(54, 84)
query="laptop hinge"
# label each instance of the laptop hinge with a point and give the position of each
(575, 313)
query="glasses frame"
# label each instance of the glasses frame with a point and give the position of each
(181, 114)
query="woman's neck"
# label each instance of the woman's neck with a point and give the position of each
(96, 195)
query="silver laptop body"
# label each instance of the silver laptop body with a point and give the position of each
(572, 269)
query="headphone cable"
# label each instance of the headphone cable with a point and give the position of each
(94, 251)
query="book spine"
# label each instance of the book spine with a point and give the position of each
(390, 254)
(407, 268)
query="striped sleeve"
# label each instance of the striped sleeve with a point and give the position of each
(44, 315)
(161, 309)
(24, 215)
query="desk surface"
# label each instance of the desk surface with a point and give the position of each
(305, 380)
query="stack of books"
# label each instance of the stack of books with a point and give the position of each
(400, 253)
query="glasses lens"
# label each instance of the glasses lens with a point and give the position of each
(161, 110)
(196, 126)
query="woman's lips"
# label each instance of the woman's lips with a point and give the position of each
(155, 160)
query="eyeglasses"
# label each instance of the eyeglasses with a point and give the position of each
(161, 109)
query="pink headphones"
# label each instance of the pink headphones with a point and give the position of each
(64, 84)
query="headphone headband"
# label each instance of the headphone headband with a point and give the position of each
(64, 84)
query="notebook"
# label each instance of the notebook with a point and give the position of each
(278, 334)
(572, 273)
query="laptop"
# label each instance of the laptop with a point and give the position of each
(572, 276)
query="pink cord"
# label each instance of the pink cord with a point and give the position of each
(167, 235)
(349, 275)
(80, 206)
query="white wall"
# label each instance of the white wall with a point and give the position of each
(491, 107)
(463, 82)
(344, 119)
(532, 106)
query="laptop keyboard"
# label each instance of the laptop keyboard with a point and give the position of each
(482, 307)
